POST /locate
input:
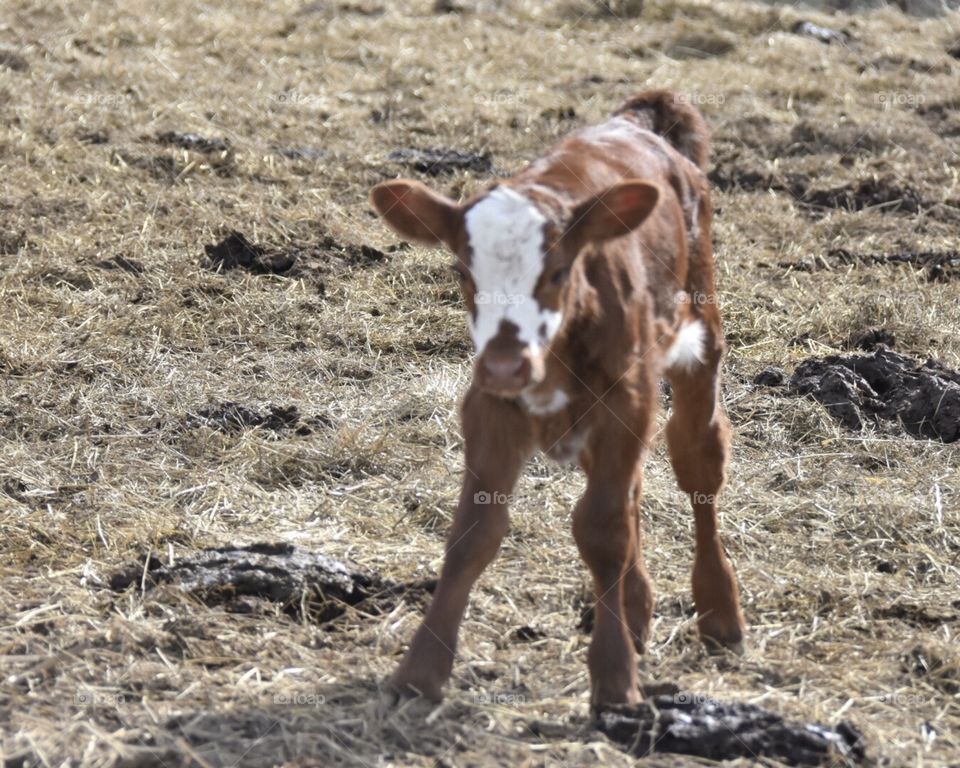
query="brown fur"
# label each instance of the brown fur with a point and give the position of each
(628, 215)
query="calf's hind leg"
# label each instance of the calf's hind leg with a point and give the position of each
(698, 436)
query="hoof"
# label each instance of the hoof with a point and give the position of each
(403, 698)
(400, 689)
(639, 639)
(609, 702)
(719, 638)
(714, 648)
(392, 701)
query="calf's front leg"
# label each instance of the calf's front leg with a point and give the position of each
(606, 529)
(497, 441)
(604, 535)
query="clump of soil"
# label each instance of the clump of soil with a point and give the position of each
(811, 137)
(924, 399)
(233, 418)
(12, 60)
(618, 9)
(132, 266)
(823, 34)
(771, 376)
(11, 243)
(193, 142)
(732, 175)
(326, 256)
(437, 162)
(301, 582)
(93, 137)
(700, 46)
(559, 113)
(872, 339)
(939, 265)
(688, 724)
(236, 252)
(882, 192)
(300, 153)
(159, 167)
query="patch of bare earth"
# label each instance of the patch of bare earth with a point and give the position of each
(154, 402)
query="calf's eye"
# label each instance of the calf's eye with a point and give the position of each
(558, 277)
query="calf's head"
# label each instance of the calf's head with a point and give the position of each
(512, 261)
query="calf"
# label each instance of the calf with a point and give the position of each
(587, 277)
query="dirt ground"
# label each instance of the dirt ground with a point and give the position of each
(153, 405)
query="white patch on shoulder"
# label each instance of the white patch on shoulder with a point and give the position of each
(616, 129)
(506, 237)
(540, 405)
(686, 352)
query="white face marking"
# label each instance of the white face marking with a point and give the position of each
(543, 405)
(506, 236)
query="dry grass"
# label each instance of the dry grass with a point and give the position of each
(847, 545)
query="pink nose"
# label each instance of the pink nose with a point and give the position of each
(504, 374)
(503, 368)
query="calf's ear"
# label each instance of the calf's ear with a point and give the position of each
(416, 212)
(612, 213)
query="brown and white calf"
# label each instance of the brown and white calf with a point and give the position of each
(587, 276)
